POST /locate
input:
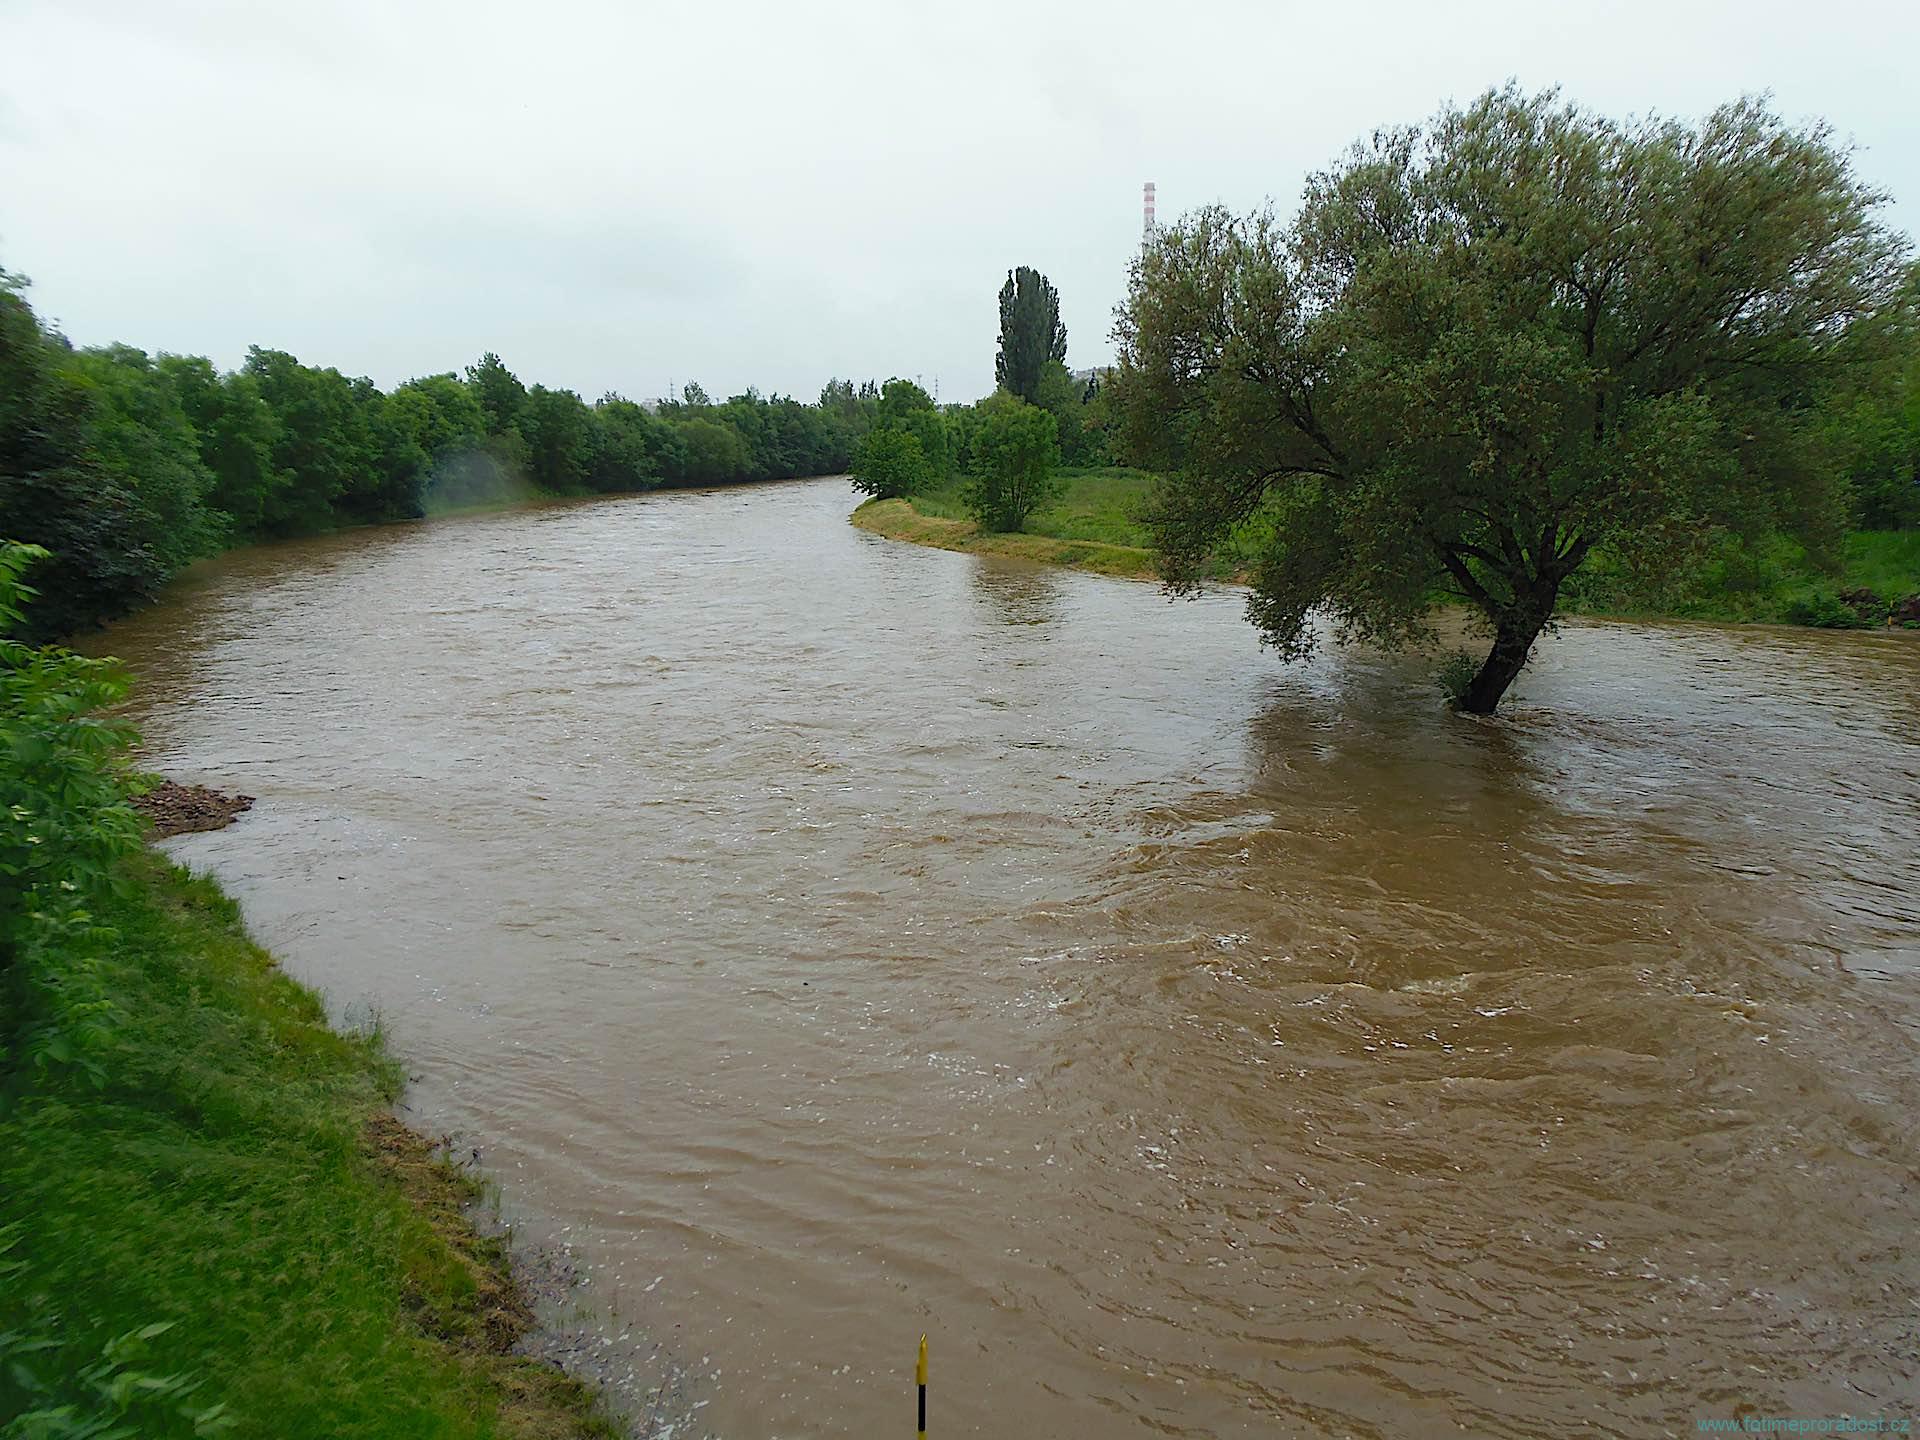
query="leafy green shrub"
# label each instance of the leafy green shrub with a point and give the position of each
(1456, 671)
(1869, 607)
(890, 463)
(1015, 454)
(107, 1398)
(905, 406)
(64, 821)
(1824, 610)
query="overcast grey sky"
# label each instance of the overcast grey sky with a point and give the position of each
(615, 195)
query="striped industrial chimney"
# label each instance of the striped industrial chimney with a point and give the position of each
(1146, 207)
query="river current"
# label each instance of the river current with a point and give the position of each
(833, 940)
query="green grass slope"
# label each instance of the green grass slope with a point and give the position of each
(1096, 525)
(223, 1230)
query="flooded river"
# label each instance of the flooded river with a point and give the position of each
(835, 940)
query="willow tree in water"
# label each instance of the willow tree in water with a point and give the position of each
(1486, 348)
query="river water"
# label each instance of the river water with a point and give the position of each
(835, 940)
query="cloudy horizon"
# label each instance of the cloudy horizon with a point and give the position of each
(616, 199)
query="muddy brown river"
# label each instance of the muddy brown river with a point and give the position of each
(833, 940)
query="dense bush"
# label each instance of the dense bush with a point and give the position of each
(64, 822)
(1016, 451)
(890, 463)
(1825, 610)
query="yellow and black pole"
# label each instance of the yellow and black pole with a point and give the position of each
(920, 1374)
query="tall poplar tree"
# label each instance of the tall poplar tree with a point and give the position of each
(1030, 332)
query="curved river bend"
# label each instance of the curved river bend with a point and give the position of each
(835, 939)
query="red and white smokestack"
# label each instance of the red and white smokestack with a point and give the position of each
(1146, 206)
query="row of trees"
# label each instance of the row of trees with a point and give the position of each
(1485, 350)
(126, 467)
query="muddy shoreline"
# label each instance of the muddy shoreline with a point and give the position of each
(175, 809)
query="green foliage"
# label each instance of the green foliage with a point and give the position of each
(54, 492)
(1454, 675)
(64, 818)
(498, 391)
(837, 396)
(558, 430)
(138, 433)
(1483, 350)
(64, 822)
(1770, 578)
(461, 463)
(629, 449)
(1105, 506)
(237, 432)
(1030, 332)
(345, 453)
(890, 463)
(1015, 453)
(309, 443)
(1879, 434)
(715, 453)
(105, 1398)
(1070, 402)
(389, 468)
(440, 414)
(906, 407)
(900, 399)
(1825, 610)
(962, 424)
(1886, 562)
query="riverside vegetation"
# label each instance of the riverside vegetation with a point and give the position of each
(127, 467)
(1526, 360)
(209, 1220)
(1100, 521)
(1092, 521)
(1523, 360)
(1493, 351)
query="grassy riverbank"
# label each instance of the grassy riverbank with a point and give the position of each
(1096, 525)
(207, 1209)
(1775, 581)
(1093, 526)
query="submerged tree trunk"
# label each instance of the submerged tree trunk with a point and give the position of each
(1512, 644)
(1519, 616)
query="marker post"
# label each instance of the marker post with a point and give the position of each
(920, 1375)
